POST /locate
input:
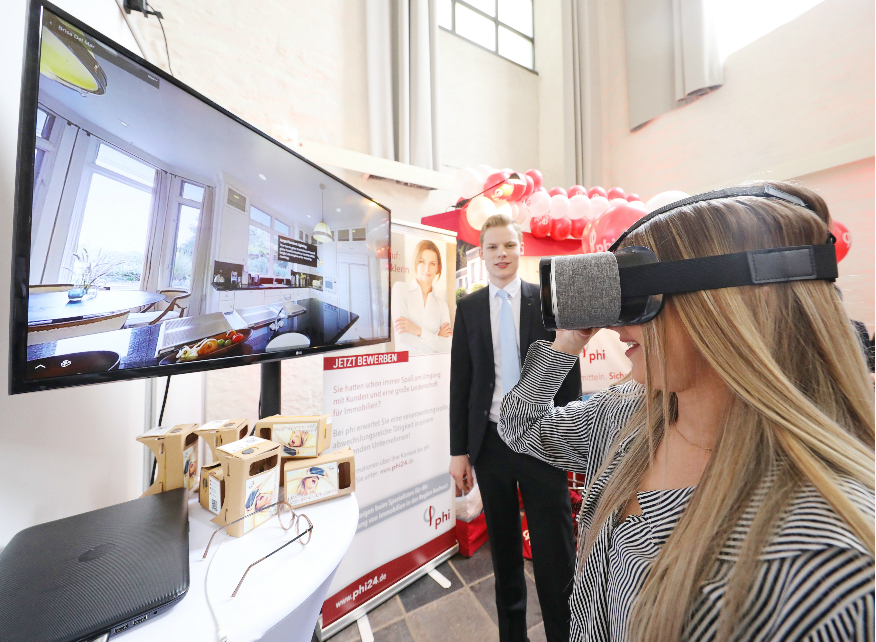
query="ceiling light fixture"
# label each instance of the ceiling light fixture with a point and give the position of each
(121, 121)
(262, 176)
(321, 231)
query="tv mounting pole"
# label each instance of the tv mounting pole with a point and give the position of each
(269, 398)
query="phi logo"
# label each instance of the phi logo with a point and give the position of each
(433, 518)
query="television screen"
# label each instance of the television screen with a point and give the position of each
(156, 233)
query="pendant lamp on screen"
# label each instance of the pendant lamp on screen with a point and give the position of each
(321, 231)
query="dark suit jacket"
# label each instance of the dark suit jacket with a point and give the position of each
(472, 370)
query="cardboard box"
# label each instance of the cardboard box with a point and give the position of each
(308, 481)
(224, 431)
(211, 491)
(299, 436)
(176, 456)
(251, 468)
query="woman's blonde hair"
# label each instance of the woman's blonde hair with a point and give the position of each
(801, 409)
(422, 246)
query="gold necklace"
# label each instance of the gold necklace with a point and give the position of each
(691, 443)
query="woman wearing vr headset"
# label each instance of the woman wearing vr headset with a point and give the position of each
(731, 476)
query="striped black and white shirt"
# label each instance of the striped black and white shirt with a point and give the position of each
(814, 581)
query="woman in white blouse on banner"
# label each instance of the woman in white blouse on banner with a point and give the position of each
(420, 318)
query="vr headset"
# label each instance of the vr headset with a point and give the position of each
(626, 286)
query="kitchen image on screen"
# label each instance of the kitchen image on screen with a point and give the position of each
(164, 232)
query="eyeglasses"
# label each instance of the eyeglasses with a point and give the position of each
(294, 521)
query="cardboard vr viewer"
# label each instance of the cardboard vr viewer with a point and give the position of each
(250, 471)
(223, 431)
(308, 481)
(176, 457)
(299, 436)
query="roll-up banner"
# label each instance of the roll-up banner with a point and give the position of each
(391, 408)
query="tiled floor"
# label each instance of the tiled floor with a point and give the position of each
(425, 612)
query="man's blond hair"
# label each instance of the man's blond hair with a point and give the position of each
(500, 220)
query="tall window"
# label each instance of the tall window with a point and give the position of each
(504, 27)
(115, 217)
(190, 202)
(44, 147)
(264, 230)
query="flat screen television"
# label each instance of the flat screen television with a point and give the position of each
(156, 233)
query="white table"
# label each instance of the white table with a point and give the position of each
(281, 597)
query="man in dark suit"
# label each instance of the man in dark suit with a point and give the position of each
(494, 328)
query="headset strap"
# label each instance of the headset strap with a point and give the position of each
(758, 267)
(762, 191)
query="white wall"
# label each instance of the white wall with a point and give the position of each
(796, 104)
(66, 451)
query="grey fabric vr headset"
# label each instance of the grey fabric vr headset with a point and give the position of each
(626, 286)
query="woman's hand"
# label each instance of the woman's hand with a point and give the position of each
(573, 341)
(445, 331)
(406, 325)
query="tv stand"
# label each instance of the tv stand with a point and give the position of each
(269, 398)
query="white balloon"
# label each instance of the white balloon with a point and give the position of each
(484, 172)
(524, 225)
(598, 204)
(559, 206)
(579, 207)
(479, 210)
(468, 182)
(639, 205)
(539, 204)
(664, 198)
(617, 201)
(504, 208)
(521, 212)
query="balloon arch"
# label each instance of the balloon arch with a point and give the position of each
(556, 221)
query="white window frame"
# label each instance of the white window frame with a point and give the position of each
(273, 234)
(496, 24)
(171, 226)
(88, 171)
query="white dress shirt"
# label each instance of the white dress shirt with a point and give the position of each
(407, 302)
(514, 296)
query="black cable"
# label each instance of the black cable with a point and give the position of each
(157, 14)
(160, 419)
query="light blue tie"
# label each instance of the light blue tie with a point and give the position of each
(508, 344)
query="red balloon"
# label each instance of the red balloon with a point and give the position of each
(494, 186)
(633, 197)
(586, 246)
(535, 175)
(575, 190)
(843, 239)
(561, 228)
(519, 192)
(554, 191)
(578, 226)
(540, 189)
(530, 186)
(540, 226)
(611, 224)
(597, 191)
(616, 192)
